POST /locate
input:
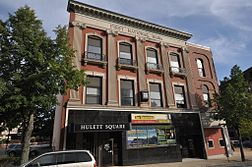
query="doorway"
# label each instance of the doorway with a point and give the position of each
(105, 146)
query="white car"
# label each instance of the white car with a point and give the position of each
(70, 158)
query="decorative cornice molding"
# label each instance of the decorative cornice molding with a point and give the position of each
(112, 32)
(141, 39)
(77, 7)
(77, 24)
(166, 45)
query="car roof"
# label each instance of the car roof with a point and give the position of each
(67, 151)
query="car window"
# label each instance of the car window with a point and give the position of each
(12, 146)
(73, 157)
(44, 161)
(18, 147)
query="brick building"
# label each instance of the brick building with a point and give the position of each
(146, 90)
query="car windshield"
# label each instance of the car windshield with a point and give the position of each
(12, 145)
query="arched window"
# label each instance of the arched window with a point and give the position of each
(94, 47)
(125, 53)
(175, 63)
(152, 58)
(206, 96)
(201, 69)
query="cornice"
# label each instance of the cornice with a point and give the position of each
(88, 10)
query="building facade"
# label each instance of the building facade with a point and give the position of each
(248, 76)
(147, 87)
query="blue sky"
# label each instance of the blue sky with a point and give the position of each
(223, 25)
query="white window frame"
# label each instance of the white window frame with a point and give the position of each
(208, 144)
(157, 50)
(202, 68)
(162, 91)
(131, 78)
(96, 74)
(133, 51)
(220, 143)
(99, 36)
(185, 91)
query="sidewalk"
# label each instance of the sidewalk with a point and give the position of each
(222, 161)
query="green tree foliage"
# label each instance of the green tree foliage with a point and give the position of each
(33, 69)
(246, 128)
(234, 101)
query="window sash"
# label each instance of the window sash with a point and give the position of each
(180, 96)
(127, 92)
(155, 95)
(94, 90)
(152, 56)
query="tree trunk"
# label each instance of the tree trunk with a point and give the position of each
(7, 140)
(26, 142)
(241, 145)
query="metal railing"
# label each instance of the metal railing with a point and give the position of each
(178, 70)
(94, 56)
(154, 66)
(124, 61)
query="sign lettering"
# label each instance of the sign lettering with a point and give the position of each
(101, 127)
(135, 32)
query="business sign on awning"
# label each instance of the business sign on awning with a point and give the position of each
(150, 118)
(101, 127)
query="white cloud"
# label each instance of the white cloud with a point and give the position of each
(226, 50)
(233, 12)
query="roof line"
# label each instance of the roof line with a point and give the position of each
(172, 32)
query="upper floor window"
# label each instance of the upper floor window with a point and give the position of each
(175, 63)
(180, 96)
(206, 97)
(125, 53)
(127, 92)
(210, 143)
(94, 47)
(152, 58)
(201, 68)
(156, 95)
(94, 90)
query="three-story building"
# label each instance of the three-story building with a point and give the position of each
(146, 87)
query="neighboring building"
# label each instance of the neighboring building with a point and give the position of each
(248, 77)
(146, 88)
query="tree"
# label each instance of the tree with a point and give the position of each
(246, 128)
(33, 69)
(234, 102)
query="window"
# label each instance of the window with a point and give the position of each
(74, 157)
(45, 160)
(152, 58)
(175, 64)
(94, 48)
(155, 95)
(210, 143)
(127, 92)
(125, 53)
(206, 97)
(93, 90)
(180, 96)
(151, 135)
(201, 68)
(222, 142)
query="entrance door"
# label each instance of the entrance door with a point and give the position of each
(107, 153)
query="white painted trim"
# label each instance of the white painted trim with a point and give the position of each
(65, 133)
(99, 36)
(158, 54)
(162, 90)
(126, 77)
(186, 93)
(208, 144)
(96, 74)
(133, 51)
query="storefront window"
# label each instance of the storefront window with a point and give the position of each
(148, 136)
